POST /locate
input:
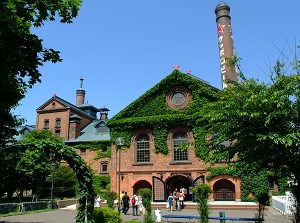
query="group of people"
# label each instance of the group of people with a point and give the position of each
(176, 200)
(135, 201)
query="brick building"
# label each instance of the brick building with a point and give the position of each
(159, 131)
(165, 113)
(78, 125)
(166, 117)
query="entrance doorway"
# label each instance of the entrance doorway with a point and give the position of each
(224, 190)
(180, 182)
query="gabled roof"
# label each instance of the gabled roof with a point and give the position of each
(22, 130)
(66, 103)
(91, 133)
(153, 101)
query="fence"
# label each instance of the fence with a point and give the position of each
(284, 204)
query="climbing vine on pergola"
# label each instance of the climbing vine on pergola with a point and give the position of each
(45, 143)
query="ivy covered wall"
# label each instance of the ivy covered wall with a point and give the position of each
(151, 110)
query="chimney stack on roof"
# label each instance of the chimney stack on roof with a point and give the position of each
(80, 94)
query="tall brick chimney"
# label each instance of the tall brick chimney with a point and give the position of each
(225, 41)
(80, 94)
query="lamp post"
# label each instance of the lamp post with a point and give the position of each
(119, 143)
(52, 184)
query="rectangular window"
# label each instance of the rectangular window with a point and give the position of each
(57, 123)
(46, 124)
(104, 168)
(57, 133)
(143, 151)
(179, 153)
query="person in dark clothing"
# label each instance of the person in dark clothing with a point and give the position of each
(125, 200)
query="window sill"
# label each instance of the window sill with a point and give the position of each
(180, 162)
(143, 164)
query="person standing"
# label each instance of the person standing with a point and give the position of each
(180, 199)
(134, 204)
(170, 201)
(121, 200)
(140, 205)
(97, 201)
(125, 201)
(175, 196)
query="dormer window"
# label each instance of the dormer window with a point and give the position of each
(101, 128)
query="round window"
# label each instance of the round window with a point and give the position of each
(178, 98)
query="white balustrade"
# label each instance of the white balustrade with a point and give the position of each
(284, 204)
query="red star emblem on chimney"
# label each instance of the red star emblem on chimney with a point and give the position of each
(176, 67)
(220, 28)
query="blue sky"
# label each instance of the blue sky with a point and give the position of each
(123, 47)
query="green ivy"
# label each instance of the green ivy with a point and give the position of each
(102, 148)
(230, 169)
(150, 110)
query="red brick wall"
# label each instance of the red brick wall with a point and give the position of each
(161, 166)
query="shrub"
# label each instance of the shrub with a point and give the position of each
(202, 192)
(105, 215)
(146, 195)
(110, 196)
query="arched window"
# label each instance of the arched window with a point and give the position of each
(180, 153)
(142, 148)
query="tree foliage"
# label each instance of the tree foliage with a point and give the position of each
(65, 182)
(110, 196)
(260, 121)
(22, 52)
(41, 147)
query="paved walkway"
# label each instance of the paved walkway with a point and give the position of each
(67, 215)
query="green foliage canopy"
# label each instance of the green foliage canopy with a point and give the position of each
(54, 149)
(22, 52)
(260, 121)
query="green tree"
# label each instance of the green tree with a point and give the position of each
(65, 182)
(54, 150)
(260, 123)
(22, 52)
